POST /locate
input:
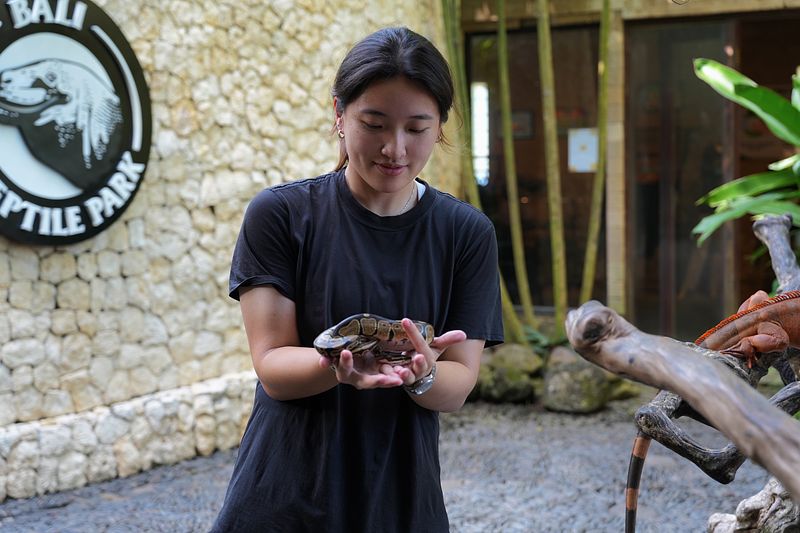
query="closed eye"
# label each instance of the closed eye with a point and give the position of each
(371, 126)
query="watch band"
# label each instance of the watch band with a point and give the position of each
(423, 384)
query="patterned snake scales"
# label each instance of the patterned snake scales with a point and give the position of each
(368, 335)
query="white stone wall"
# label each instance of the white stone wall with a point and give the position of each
(70, 451)
(103, 344)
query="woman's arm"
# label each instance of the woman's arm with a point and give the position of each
(457, 360)
(285, 370)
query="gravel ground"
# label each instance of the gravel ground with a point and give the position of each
(504, 468)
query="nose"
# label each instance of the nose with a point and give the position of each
(394, 147)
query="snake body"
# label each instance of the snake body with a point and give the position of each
(368, 335)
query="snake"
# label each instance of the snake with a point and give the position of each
(367, 335)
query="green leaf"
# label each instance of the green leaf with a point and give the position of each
(779, 208)
(785, 163)
(780, 116)
(711, 223)
(770, 203)
(721, 78)
(796, 91)
(751, 185)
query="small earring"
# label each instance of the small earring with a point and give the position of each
(340, 133)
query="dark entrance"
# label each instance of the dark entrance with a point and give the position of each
(683, 139)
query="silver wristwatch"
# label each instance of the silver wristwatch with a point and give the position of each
(423, 384)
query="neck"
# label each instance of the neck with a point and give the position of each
(411, 201)
(384, 204)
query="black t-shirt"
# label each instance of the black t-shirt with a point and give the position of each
(349, 460)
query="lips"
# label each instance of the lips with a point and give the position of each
(390, 170)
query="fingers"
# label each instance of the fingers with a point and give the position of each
(406, 373)
(440, 343)
(419, 367)
(414, 335)
(421, 361)
(448, 339)
(363, 374)
(377, 381)
(346, 372)
(427, 355)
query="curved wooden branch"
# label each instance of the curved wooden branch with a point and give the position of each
(773, 231)
(760, 430)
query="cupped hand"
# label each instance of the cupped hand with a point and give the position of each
(362, 372)
(426, 354)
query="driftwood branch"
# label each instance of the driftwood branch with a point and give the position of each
(773, 231)
(761, 431)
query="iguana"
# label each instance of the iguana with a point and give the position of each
(762, 325)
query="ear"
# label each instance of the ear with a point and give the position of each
(336, 108)
(337, 116)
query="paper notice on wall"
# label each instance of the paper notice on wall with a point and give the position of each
(582, 150)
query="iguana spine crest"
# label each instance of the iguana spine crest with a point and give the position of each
(780, 298)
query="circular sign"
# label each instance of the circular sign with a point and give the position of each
(75, 121)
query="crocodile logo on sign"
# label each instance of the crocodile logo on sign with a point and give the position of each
(74, 121)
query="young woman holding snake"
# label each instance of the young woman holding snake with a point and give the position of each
(353, 446)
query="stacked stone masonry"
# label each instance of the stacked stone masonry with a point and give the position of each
(124, 351)
(72, 450)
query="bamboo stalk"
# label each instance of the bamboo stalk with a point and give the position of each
(514, 332)
(552, 165)
(596, 209)
(512, 194)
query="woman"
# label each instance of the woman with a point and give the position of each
(354, 447)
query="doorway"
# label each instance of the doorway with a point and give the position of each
(684, 139)
(769, 53)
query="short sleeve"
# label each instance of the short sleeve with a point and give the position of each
(475, 306)
(264, 253)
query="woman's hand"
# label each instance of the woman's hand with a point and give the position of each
(362, 372)
(426, 355)
(457, 371)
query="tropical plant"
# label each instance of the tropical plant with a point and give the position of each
(775, 191)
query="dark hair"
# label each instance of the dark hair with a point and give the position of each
(387, 53)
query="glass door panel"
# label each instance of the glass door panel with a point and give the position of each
(675, 139)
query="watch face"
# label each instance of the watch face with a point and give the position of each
(75, 121)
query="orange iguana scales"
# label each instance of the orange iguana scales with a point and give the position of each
(769, 326)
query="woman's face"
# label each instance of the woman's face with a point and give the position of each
(389, 134)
